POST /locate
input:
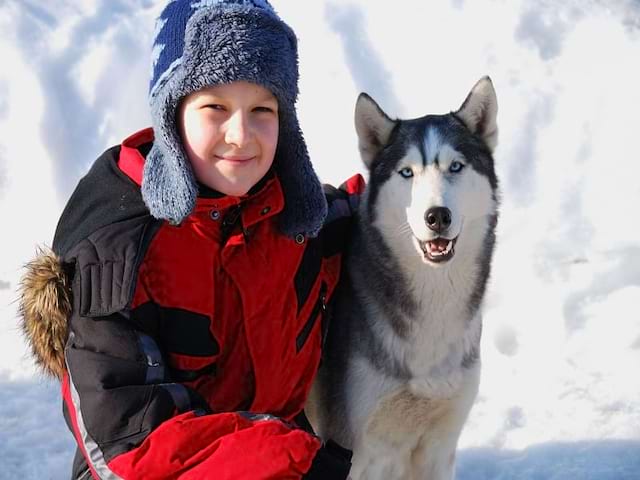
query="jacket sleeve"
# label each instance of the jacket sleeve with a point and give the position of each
(130, 421)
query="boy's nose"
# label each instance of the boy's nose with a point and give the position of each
(237, 129)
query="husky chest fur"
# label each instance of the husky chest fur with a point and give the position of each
(402, 366)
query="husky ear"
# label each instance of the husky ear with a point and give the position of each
(479, 111)
(373, 127)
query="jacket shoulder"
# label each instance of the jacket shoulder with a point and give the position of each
(105, 265)
(103, 234)
(105, 195)
(96, 277)
(100, 241)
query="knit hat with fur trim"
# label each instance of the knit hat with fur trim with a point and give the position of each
(199, 43)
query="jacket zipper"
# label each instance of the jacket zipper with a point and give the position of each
(320, 307)
(230, 221)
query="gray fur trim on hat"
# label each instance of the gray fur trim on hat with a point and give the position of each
(222, 42)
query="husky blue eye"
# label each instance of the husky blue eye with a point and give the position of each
(456, 166)
(406, 172)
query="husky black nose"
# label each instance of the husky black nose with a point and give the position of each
(438, 219)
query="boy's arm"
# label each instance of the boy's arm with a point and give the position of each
(131, 422)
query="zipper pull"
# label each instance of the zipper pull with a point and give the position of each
(229, 221)
(323, 297)
(324, 318)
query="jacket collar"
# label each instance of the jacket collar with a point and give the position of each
(131, 160)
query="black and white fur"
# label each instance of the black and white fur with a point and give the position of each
(402, 364)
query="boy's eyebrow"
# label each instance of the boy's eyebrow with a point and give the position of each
(267, 97)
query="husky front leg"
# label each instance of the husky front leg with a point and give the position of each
(434, 455)
(376, 460)
(434, 458)
(391, 432)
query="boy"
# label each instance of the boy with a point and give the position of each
(184, 306)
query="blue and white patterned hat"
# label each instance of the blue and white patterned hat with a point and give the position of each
(199, 43)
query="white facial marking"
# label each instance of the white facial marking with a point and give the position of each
(432, 145)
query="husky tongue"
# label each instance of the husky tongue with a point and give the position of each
(439, 244)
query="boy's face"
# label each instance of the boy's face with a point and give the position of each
(230, 134)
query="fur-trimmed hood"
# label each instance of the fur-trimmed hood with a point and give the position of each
(45, 306)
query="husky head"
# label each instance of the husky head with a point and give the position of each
(432, 180)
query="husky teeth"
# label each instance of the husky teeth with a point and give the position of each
(436, 250)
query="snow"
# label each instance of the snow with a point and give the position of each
(559, 397)
(34, 442)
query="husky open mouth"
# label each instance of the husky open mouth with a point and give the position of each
(439, 249)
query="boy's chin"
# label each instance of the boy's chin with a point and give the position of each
(231, 189)
(233, 185)
(235, 192)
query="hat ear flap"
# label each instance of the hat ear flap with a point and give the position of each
(169, 187)
(305, 206)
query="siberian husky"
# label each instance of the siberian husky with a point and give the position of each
(402, 364)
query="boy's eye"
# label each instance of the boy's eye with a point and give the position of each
(214, 106)
(406, 172)
(263, 110)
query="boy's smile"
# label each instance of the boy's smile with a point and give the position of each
(230, 135)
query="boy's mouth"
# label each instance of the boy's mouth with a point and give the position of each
(235, 158)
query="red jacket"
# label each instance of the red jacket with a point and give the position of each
(192, 348)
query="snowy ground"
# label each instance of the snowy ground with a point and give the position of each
(560, 395)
